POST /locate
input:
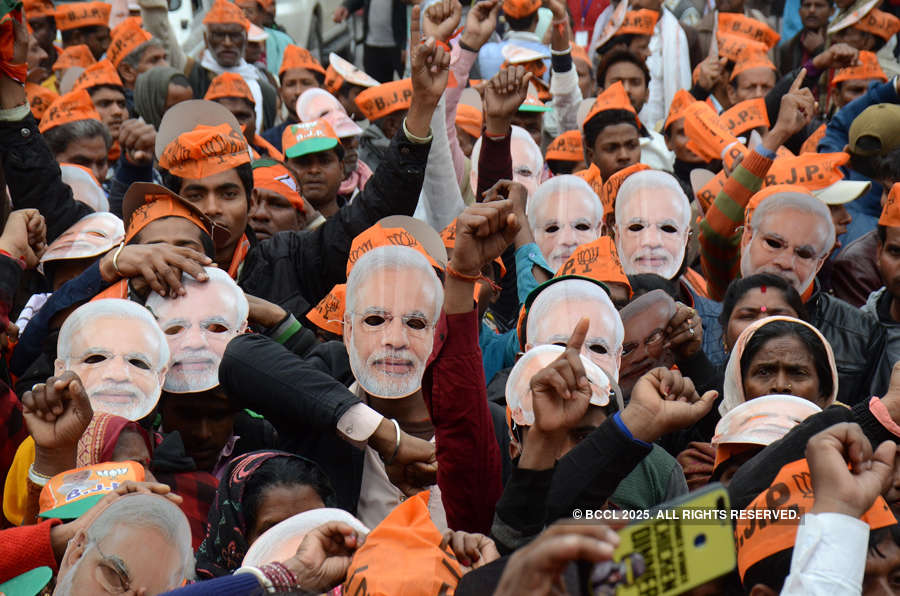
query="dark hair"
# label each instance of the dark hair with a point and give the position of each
(865, 164)
(285, 471)
(889, 167)
(615, 41)
(738, 288)
(180, 80)
(777, 329)
(644, 283)
(882, 233)
(244, 172)
(522, 23)
(95, 88)
(60, 137)
(602, 120)
(615, 57)
(880, 535)
(561, 166)
(771, 571)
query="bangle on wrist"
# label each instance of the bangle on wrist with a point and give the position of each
(264, 581)
(464, 46)
(115, 259)
(393, 456)
(283, 579)
(451, 272)
(36, 477)
(414, 138)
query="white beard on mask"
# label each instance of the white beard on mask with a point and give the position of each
(395, 386)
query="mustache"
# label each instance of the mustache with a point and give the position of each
(183, 355)
(404, 355)
(127, 389)
(651, 253)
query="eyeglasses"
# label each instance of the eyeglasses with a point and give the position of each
(112, 573)
(655, 338)
(416, 325)
(235, 37)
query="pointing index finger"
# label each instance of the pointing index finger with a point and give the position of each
(415, 33)
(576, 341)
(798, 82)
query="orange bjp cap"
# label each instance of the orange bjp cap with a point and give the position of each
(613, 97)
(387, 98)
(813, 171)
(566, 147)
(680, 102)
(276, 178)
(639, 22)
(732, 23)
(469, 119)
(378, 235)
(597, 260)
(890, 213)
(732, 46)
(124, 40)
(205, 151)
(146, 202)
(36, 9)
(224, 12)
(707, 136)
(71, 107)
(879, 23)
(297, 57)
(868, 68)
(328, 314)
(75, 15)
(229, 84)
(79, 55)
(101, 73)
(746, 115)
(518, 9)
(750, 59)
(610, 189)
(304, 138)
(39, 98)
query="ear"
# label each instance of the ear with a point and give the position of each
(74, 551)
(515, 450)
(348, 330)
(588, 155)
(762, 590)
(58, 367)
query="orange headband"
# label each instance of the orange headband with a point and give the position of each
(277, 179)
(597, 260)
(639, 22)
(328, 314)
(125, 40)
(680, 102)
(229, 84)
(158, 207)
(868, 68)
(469, 119)
(890, 213)
(35, 9)
(205, 151)
(566, 147)
(387, 98)
(101, 73)
(813, 171)
(39, 98)
(732, 46)
(376, 236)
(79, 55)
(297, 57)
(71, 107)
(745, 116)
(879, 23)
(614, 183)
(732, 23)
(223, 12)
(75, 15)
(749, 60)
(613, 98)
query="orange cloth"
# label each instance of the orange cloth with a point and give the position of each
(751, 59)
(376, 236)
(598, 260)
(518, 9)
(610, 189)
(868, 68)
(117, 290)
(278, 179)
(469, 119)
(127, 23)
(566, 147)
(764, 194)
(813, 171)
(223, 12)
(158, 206)
(448, 235)
(308, 137)
(879, 23)
(297, 57)
(732, 46)
(124, 40)
(812, 142)
(593, 177)
(75, 15)
(229, 84)
(39, 98)
(35, 9)
(680, 102)
(613, 97)
(101, 73)
(579, 53)
(328, 314)
(270, 150)
(79, 55)
(732, 23)
(890, 213)
(205, 151)
(387, 98)
(638, 22)
(707, 136)
(240, 253)
(71, 107)
(745, 116)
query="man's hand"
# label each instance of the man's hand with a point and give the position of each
(324, 556)
(798, 106)
(159, 265)
(340, 14)
(25, 236)
(684, 333)
(839, 55)
(663, 401)
(414, 468)
(561, 391)
(430, 68)
(481, 22)
(503, 95)
(56, 414)
(471, 550)
(483, 232)
(537, 569)
(850, 491)
(264, 313)
(710, 72)
(518, 194)
(137, 140)
(442, 19)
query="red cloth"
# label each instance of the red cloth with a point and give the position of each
(585, 13)
(467, 452)
(494, 163)
(198, 491)
(25, 548)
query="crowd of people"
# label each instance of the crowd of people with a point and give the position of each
(446, 320)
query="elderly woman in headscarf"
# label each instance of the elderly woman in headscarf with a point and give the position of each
(157, 90)
(778, 355)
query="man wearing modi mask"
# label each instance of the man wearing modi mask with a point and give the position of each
(119, 353)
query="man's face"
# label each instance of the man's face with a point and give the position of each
(632, 78)
(89, 236)
(198, 326)
(44, 31)
(562, 224)
(226, 43)
(252, 11)
(119, 560)
(97, 40)
(243, 112)
(174, 231)
(754, 305)
(847, 91)
(391, 336)
(645, 322)
(294, 82)
(110, 104)
(855, 38)
(532, 122)
(89, 152)
(599, 346)
(466, 141)
(616, 147)
(585, 78)
(640, 46)
(882, 576)
(205, 422)
(222, 198)
(789, 245)
(676, 141)
(35, 55)
(814, 13)
(117, 360)
(320, 176)
(889, 261)
(254, 51)
(653, 232)
(841, 219)
(526, 168)
(347, 97)
(271, 213)
(152, 56)
(752, 83)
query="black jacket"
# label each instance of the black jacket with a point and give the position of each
(297, 269)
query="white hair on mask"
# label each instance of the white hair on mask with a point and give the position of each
(111, 308)
(653, 182)
(148, 511)
(521, 137)
(84, 188)
(559, 294)
(218, 277)
(314, 103)
(393, 258)
(796, 201)
(568, 188)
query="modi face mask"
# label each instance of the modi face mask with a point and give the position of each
(316, 103)
(393, 299)
(119, 353)
(563, 214)
(197, 328)
(652, 224)
(527, 160)
(90, 236)
(645, 321)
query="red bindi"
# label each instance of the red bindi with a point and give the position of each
(762, 289)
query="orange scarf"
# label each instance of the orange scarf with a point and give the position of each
(238, 259)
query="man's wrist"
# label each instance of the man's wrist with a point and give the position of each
(50, 462)
(469, 44)
(384, 439)
(541, 449)
(497, 127)
(637, 425)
